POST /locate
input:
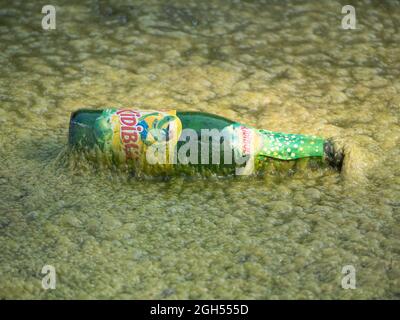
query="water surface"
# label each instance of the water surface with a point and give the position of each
(279, 65)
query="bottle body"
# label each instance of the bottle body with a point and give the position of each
(164, 141)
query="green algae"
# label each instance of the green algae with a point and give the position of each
(285, 67)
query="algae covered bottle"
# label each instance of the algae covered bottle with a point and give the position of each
(169, 141)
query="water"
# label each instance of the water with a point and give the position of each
(283, 66)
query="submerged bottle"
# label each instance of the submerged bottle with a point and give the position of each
(160, 142)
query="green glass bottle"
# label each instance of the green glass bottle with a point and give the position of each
(160, 142)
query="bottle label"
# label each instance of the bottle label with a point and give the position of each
(127, 133)
(246, 141)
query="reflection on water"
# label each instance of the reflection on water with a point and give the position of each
(283, 66)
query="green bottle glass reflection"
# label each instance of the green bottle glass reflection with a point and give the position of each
(192, 142)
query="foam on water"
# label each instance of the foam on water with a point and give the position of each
(283, 66)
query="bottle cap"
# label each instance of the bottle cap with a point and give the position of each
(333, 155)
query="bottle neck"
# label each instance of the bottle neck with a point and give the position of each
(285, 146)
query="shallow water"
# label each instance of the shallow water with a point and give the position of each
(283, 66)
